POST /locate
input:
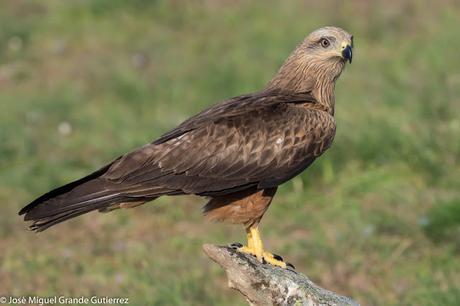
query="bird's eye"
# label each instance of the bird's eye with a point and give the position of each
(325, 43)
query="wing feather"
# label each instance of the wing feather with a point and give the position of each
(257, 140)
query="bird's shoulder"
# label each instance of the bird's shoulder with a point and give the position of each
(263, 103)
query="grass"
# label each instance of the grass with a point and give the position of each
(376, 218)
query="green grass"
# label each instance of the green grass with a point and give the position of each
(376, 218)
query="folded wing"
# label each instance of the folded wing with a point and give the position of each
(252, 141)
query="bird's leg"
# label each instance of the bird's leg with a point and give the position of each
(256, 248)
(250, 247)
(257, 243)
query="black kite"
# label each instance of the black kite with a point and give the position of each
(236, 153)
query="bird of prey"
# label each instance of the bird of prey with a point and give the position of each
(235, 153)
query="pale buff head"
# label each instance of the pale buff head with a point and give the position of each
(316, 62)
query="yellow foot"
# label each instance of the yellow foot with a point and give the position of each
(274, 260)
(264, 256)
(255, 247)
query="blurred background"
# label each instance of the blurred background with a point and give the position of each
(376, 218)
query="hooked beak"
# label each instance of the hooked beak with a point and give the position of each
(347, 52)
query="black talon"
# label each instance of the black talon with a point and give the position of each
(289, 265)
(277, 257)
(236, 245)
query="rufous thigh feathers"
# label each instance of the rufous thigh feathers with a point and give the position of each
(245, 207)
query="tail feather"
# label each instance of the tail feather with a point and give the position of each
(96, 194)
(46, 222)
(62, 190)
(93, 192)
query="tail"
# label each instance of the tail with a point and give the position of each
(76, 198)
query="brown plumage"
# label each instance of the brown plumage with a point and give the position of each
(236, 152)
(242, 207)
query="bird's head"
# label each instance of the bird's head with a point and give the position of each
(317, 61)
(326, 46)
